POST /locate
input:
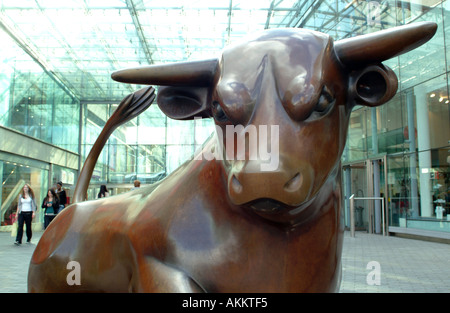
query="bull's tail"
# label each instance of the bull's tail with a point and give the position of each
(130, 107)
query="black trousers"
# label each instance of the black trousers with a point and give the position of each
(24, 217)
(48, 219)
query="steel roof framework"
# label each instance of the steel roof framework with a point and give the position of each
(81, 42)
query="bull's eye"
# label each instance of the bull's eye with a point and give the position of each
(325, 102)
(218, 112)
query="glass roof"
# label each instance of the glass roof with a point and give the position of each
(81, 42)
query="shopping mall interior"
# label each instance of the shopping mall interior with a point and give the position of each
(56, 94)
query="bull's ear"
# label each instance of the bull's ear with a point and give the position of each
(184, 103)
(373, 85)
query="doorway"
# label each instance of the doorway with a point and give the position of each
(365, 182)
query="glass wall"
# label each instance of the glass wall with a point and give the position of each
(146, 148)
(412, 129)
(32, 102)
(15, 173)
(35, 104)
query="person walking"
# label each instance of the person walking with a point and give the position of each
(61, 193)
(103, 192)
(26, 209)
(50, 206)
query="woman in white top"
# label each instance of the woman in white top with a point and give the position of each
(26, 209)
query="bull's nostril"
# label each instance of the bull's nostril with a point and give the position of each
(236, 185)
(294, 183)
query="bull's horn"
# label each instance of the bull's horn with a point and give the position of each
(193, 73)
(383, 45)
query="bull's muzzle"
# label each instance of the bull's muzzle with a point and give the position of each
(291, 186)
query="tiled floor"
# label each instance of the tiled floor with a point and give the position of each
(14, 262)
(405, 265)
(396, 265)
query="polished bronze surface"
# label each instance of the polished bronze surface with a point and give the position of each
(234, 223)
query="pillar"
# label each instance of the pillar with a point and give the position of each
(413, 195)
(424, 152)
(376, 172)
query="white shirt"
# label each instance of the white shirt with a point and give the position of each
(26, 205)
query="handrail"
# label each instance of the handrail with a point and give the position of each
(11, 197)
(352, 212)
(352, 215)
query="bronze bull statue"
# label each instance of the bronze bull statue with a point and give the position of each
(233, 223)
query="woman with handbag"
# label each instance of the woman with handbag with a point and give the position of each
(26, 209)
(50, 206)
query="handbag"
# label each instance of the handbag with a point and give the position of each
(14, 229)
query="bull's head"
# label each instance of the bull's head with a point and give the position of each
(298, 80)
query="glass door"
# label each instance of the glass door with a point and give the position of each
(355, 183)
(365, 181)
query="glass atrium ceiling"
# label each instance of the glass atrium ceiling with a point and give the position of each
(81, 42)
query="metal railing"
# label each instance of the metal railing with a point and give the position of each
(352, 212)
(11, 198)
